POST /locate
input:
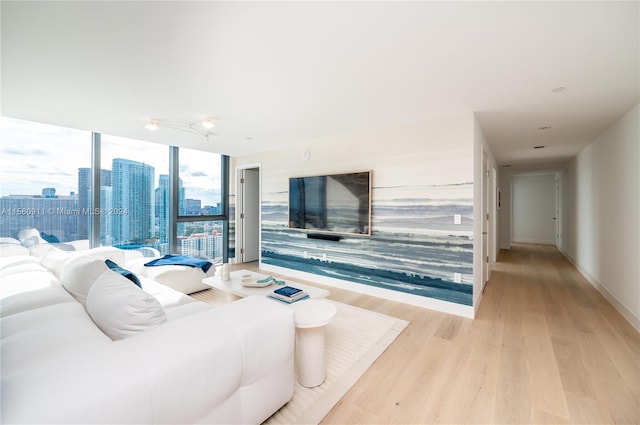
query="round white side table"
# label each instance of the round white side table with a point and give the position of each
(311, 316)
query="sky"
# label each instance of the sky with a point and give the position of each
(34, 156)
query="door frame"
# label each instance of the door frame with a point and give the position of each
(239, 194)
(486, 213)
(557, 203)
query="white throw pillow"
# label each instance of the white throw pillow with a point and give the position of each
(120, 308)
(55, 260)
(80, 274)
(41, 249)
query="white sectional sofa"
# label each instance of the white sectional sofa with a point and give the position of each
(82, 344)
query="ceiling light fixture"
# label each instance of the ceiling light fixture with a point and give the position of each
(539, 147)
(546, 127)
(558, 89)
(151, 126)
(208, 123)
(201, 128)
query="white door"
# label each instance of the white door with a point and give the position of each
(250, 215)
(533, 214)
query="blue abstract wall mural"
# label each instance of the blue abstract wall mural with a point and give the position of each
(422, 200)
(416, 246)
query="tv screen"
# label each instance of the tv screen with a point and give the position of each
(333, 203)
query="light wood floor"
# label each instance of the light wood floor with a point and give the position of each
(545, 347)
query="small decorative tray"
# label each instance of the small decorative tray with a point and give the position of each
(253, 282)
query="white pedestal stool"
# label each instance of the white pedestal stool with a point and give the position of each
(311, 317)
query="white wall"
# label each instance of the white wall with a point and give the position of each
(601, 212)
(533, 204)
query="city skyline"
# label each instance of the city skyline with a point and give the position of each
(129, 186)
(35, 155)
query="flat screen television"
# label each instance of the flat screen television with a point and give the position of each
(339, 203)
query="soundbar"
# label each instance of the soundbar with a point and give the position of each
(323, 236)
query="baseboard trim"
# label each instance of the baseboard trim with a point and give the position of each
(535, 241)
(401, 297)
(610, 296)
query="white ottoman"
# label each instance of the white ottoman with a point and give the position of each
(181, 278)
(311, 316)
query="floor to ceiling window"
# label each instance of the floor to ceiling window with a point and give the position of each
(133, 199)
(46, 184)
(200, 227)
(44, 173)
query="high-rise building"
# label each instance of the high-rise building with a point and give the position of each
(211, 210)
(84, 198)
(106, 220)
(49, 192)
(52, 215)
(132, 208)
(202, 245)
(84, 201)
(162, 208)
(192, 206)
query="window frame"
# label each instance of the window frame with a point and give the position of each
(174, 217)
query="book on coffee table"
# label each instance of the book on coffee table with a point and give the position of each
(287, 301)
(288, 294)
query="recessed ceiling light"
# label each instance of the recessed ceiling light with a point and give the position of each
(558, 89)
(249, 138)
(151, 126)
(208, 123)
(546, 127)
(506, 165)
(539, 147)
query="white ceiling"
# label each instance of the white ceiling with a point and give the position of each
(278, 74)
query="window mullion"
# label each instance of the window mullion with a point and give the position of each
(173, 198)
(94, 219)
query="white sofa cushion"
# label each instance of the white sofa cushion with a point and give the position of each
(167, 297)
(7, 263)
(28, 281)
(55, 260)
(116, 255)
(41, 249)
(33, 337)
(80, 274)
(9, 250)
(34, 299)
(8, 240)
(122, 309)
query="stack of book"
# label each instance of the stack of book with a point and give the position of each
(288, 294)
